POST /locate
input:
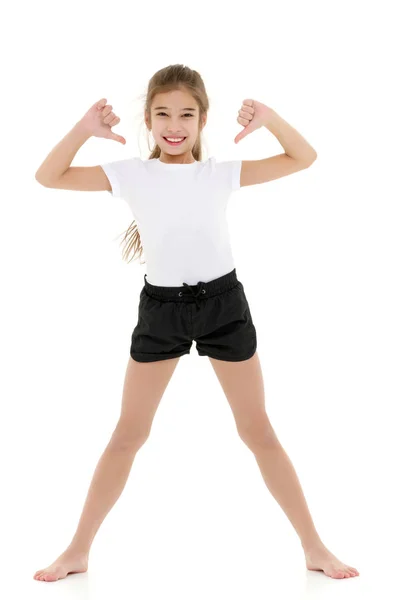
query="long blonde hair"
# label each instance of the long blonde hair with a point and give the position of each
(168, 79)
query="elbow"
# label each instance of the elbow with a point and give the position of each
(306, 160)
(310, 159)
(40, 180)
(314, 157)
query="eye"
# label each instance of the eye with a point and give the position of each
(163, 113)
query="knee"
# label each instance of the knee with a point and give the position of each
(258, 434)
(125, 438)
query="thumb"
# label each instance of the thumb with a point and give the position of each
(242, 135)
(245, 131)
(238, 138)
(117, 138)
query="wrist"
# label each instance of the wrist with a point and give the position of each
(82, 131)
(270, 117)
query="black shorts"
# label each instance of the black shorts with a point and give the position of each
(216, 315)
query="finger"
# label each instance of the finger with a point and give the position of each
(101, 103)
(245, 114)
(110, 117)
(106, 110)
(246, 110)
(115, 121)
(249, 102)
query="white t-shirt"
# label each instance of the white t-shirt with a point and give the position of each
(180, 212)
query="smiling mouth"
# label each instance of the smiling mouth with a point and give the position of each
(174, 143)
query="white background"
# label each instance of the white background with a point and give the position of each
(317, 252)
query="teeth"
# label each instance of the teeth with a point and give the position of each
(175, 139)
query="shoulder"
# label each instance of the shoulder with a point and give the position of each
(123, 174)
(124, 163)
(228, 171)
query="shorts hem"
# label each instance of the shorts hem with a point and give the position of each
(143, 357)
(228, 358)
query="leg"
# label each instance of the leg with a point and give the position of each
(242, 383)
(143, 389)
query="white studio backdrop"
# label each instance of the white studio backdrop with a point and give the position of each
(317, 252)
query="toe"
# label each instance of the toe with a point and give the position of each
(338, 574)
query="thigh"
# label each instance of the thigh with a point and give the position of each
(243, 386)
(225, 328)
(143, 388)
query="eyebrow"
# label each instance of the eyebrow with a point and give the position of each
(166, 108)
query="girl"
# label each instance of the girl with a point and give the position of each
(190, 291)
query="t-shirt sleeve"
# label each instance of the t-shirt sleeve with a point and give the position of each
(230, 172)
(236, 167)
(122, 175)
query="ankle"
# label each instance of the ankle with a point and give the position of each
(315, 544)
(78, 549)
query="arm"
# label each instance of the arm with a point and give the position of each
(62, 155)
(292, 142)
(56, 172)
(298, 155)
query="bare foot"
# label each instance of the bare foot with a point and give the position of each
(320, 559)
(68, 562)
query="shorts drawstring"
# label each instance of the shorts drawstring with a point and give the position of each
(201, 290)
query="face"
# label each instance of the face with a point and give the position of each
(175, 115)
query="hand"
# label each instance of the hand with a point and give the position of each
(252, 116)
(98, 121)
